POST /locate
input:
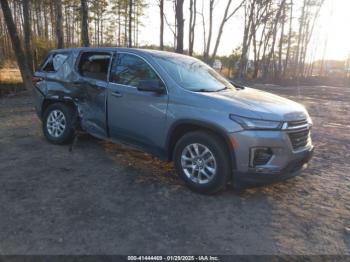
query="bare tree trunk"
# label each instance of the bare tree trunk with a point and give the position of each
(130, 23)
(223, 22)
(136, 23)
(125, 25)
(180, 26)
(46, 29)
(84, 23)
(67, 26)
(98, 29)
(301, 27)
(27, 34)
(2, 42)
(245, 45)
(38, 18)
(20, 56)
(52, 18)
(257, 50)
(59, 23)
(95, 32)
(161, 32)
(279, 72)
(274, 37)
(204, 31)
(302, 56)
(308, 34)
(289, 38)
(207, 49)
(119, 26)
(101, 31)
(192, 24)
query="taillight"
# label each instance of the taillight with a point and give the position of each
(36, 79)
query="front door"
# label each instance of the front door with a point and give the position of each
(137, 117)
(92, 84)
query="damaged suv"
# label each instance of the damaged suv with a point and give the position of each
(176, 108)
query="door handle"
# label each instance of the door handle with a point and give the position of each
(116, 94)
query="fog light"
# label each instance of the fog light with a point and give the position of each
(260, 156)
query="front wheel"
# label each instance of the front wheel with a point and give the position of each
(202, 161)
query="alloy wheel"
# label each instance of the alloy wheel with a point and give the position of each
(56, 123)
(198, 163)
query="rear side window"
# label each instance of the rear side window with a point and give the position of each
(54, 62)
(94, 65)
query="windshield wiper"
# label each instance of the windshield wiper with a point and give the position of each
(237, 86)
(211, 91)
(222, 89)
(204, 90)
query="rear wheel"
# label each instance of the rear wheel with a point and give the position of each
(202, 161)
(58, 123)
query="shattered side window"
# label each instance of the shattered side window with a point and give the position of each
(49, 66)
(55, 62)
(58, 60)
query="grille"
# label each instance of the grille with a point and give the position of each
(297, 123)
(299, 133)
(299, 139)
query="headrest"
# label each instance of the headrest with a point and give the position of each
(94, 67)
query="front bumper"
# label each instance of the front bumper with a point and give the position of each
(284, 163)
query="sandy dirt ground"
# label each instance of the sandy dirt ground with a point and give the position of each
(108, 199)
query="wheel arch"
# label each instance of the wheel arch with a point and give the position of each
(52, 100)
(182, 127)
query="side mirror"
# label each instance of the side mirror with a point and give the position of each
(150, 86)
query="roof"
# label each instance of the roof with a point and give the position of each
(109, 49)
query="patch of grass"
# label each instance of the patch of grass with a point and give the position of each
(10, 81)
(10, 76)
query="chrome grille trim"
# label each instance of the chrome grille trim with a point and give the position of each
(306, 126)
(296, 125)
(298, 133)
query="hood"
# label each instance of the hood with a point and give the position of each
(262, 104)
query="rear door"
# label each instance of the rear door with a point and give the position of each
(137, 117)
(52, 77)
(54, 71)
(93, 70)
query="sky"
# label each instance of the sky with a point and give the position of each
(333, 30)
(331, 38)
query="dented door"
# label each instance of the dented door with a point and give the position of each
(92, 91)
(92, 105)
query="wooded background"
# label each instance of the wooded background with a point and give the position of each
(275, 41)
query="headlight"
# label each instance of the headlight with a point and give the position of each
(257, 124)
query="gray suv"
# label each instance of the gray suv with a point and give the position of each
(176, 108)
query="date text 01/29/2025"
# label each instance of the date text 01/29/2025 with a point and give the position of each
(173, 258)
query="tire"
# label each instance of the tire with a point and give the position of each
(221, 163)
(66, 115)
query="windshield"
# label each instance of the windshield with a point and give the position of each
(192, 74)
